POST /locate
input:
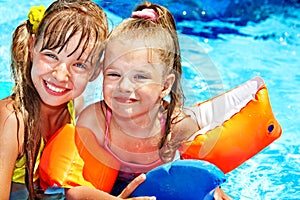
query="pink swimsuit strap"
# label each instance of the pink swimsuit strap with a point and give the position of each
(142, 167)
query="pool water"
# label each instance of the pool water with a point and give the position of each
(224, 44)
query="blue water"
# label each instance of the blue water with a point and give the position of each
(224, 43)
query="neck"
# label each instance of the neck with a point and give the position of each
(142, 126)
(53, 118)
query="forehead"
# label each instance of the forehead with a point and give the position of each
(133, 58)
(77, 43)
(159, 38)
(73, 43)
(138, 40)
(121, 47)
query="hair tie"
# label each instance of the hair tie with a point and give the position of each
(146, 13)
(35, 16)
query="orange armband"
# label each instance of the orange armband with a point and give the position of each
(235, 126)
(72, 157)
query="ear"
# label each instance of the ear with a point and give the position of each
(31, 46)
(167, 85)
(96, 72)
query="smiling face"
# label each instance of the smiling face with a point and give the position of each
(60, 76)
(135, 82)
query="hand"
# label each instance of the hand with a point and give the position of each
(132, 186)
(221, 195)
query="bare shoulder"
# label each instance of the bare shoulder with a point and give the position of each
(6, 106)
(11, 139)
(10, 121)
(183, 125)
(93, 118)
(92, 111)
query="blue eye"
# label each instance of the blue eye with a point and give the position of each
(51, 55)
(80, 65)
(141, 76)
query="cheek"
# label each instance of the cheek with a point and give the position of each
(108, 87)
(108, 94)
(108, 91)
(150, 92)
(80, 84)
(34, 73)
(39, 68)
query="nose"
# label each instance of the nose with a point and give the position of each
(125, 84)
(61, 72)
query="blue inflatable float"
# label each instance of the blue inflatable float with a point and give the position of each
(182, 179)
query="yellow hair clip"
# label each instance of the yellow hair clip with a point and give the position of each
(35, 16)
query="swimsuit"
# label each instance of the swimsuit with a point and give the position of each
(128, 171)
(19, 170)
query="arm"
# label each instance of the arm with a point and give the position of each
(10, 145)
(85, 192)
(93, 118)
(185, 128)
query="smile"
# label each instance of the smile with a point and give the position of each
(125, 100)
(54, 88)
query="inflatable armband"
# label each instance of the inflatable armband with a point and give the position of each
(234, 126)
(180, 180)
(72, 158)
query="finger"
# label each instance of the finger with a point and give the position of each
(221, 195)
(142, 198)
(132, 186)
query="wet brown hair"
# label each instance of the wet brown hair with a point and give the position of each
(62, 16)
(159, 35)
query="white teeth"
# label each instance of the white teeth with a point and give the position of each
(53, 88)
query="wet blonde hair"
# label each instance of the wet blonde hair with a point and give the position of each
(158, 35)
(62, 16)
